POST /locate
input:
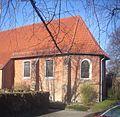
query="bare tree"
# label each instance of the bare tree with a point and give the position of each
(105, 15)
(114, 52)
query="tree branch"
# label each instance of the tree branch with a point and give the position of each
(115, 9)
(45, 24)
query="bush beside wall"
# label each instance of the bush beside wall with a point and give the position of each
(88, 93)
(24, 103)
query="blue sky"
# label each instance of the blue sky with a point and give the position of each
(21, 13)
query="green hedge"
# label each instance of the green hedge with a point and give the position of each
(24, 103)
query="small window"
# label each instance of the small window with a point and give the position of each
(27, 69)
(49, 68)
(85, 69)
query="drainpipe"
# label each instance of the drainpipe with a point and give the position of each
(101, 79)
(69, 81)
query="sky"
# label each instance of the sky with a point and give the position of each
(20, 13)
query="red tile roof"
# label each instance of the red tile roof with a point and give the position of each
(72, 35)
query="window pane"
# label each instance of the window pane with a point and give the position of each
(85, 66)
(49, 68)
(27, 69)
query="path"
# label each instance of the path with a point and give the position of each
(66, 113)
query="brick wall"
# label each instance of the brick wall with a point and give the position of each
(19, 81)
(77, 81)
(53, 85)
(58, 85)
(8, 75)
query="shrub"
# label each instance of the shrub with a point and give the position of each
(114, 93)
(88, 93)
(110, 93)
(20, 87)
(23, 103)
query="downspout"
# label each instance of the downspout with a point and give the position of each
(69, 81)
(101, 79)
(1, 77)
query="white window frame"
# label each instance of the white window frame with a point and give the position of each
(90, 74)
(53, 69)
(23, 69)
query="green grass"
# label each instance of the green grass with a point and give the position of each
(102, 105)
(77, 107)
(57, 105)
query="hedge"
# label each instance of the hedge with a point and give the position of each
(14, 104)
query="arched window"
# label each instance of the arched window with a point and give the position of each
(85, 69)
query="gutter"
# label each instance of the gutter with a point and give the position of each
(53, 54)
(101, 79)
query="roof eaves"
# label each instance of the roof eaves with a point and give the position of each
(1, 66)
(57, 54)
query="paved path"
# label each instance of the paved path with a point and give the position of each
(66, 113)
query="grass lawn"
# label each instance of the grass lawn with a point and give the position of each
(100, 106)
(96, 107)
(103, 105)
(57, 105)
(77, 107)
